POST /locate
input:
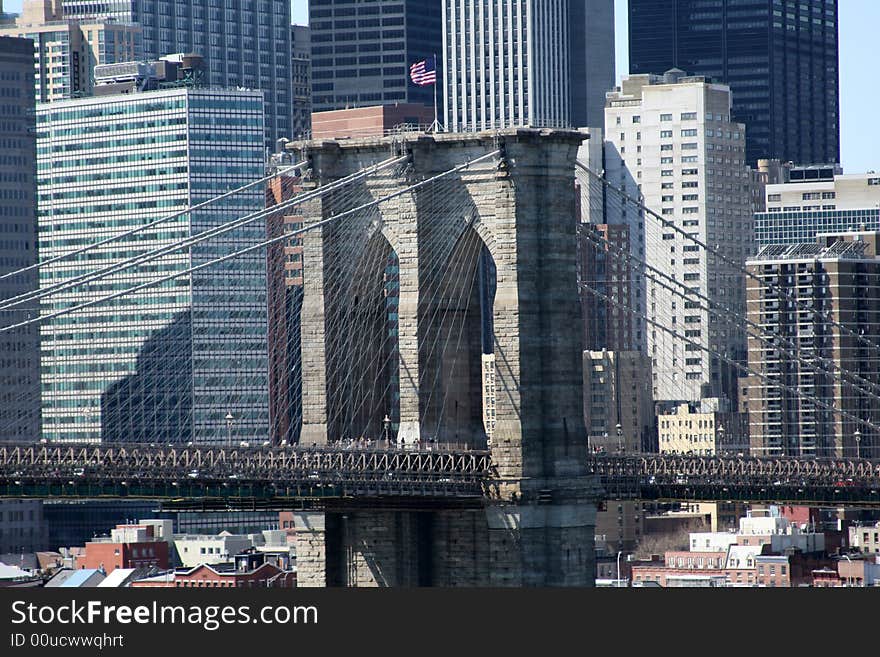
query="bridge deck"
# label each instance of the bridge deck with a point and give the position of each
(319, 475)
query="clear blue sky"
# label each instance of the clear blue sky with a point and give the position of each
(859, 81)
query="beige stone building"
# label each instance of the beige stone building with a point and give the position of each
(865, 538)
(670, 141)
(687, 430)
(67, 51)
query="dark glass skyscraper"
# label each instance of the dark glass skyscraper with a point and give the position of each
(361, 52)
(779, 57)
(19, 348)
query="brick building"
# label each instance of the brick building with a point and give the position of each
(373, 121)
(248, 570)
(284, 289)
(128, 546)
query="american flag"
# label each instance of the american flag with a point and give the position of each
(424, 72)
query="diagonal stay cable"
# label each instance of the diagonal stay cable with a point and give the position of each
(210, 233)
(716, 253)
(250, 249)
(733, 318)
(733, 363)
(152, 224)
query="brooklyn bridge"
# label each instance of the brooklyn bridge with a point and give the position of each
(418, 256)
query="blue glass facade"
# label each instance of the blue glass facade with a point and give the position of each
(167, 363)
(804, 226)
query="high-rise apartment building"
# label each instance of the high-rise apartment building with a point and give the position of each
(818, 305)
(245, 44)
(539, 63)
(183, 361)
(67, 51)
(779, 57)
(19, 348)
(362, 51)
(799, 210)
(670, 141)
(301, 81)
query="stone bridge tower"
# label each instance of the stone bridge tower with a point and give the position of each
(536, 525)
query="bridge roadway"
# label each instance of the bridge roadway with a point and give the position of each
(301, 477)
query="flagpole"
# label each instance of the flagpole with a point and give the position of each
(436, 125)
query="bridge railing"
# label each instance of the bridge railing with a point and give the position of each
(738, 470)
(282, 466)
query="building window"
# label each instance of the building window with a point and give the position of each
(666, 117)
(688, 116)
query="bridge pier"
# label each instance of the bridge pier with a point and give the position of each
(311, 548)
(520, 545)
(536, 528)
(363, 548)
(538, 545)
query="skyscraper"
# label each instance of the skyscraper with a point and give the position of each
(541, 63)
(362, 51)
(779, 58)
(19, 348)
(184, 361)
(301, 79)
(671, 140)
(244, 44)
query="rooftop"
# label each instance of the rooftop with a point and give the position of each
(844, 250)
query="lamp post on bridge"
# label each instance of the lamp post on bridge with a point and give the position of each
(858, 437)
(229, 419)
(386, 423)
(620, 448)
(618, 563)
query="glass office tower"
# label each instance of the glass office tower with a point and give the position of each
(362, 51)
(184, 361)
(779, 57)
